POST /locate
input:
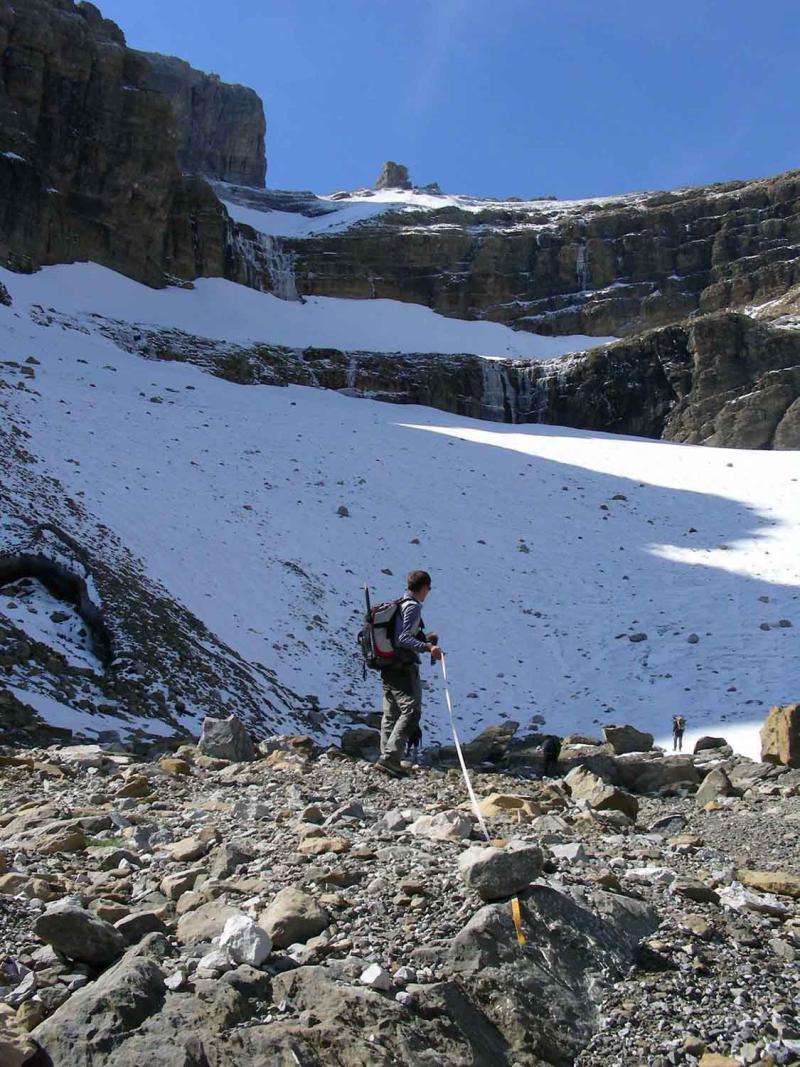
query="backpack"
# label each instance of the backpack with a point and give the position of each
(376, 636)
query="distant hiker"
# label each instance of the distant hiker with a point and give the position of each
(402, 690)
(678, 726)
(551, 750)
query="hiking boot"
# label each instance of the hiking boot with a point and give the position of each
(388, 767)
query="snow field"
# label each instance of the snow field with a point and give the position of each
(226, 311)
(549, 548)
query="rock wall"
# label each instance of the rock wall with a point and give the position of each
(723, 379)
(87, 161)
(220, 127)
(599, 268)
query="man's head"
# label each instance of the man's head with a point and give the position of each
(419, 584)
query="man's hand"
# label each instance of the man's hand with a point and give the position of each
(435, 651)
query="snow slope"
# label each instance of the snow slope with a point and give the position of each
(549, 548)
(221, 309)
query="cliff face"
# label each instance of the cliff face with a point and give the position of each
(595, 267)
(220, 127)
(88, 168)
(720, 379)
(89, 154)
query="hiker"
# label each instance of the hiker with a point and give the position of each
(551, 749)
(678, 726)
(402, 689)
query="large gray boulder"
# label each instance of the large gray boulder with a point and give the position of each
(96, 1019)
(128, 1018)
(496, 873)
(354, 1026)
(541, 995)
(627, 739)
(650, 772)
(79, 934)
(703, 744)
(226, 739)
(293, 916)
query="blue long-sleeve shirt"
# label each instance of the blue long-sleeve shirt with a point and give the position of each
(407, 627)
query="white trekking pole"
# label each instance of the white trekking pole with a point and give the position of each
(470, 790)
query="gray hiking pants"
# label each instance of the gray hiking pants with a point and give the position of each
(402, 707)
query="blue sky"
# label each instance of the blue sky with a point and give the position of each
(501, 97)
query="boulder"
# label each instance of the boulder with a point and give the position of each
(702, 744)
(714, 785)
(738, 898)
(542, 995)
(98, 1018)
(783, 883)
(136, 786)
(490, 746)
(293, 916)
(589, 787)
(318, 846)
(444, 826)
(780, 736)
(627, 739)
(138, 924)
(227, 857)
(652, 773)
(496, 873)
(205, 922)
(174, 766)
(510, 806)
(79, 934)
(694, 890)
(361, 742)
(376, 977)
(226, 739)
(598, 758)
(65, 839)
(358, 1025)
(245, 941)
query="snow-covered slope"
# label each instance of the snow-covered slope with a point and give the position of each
(217, 308)
(549, 548)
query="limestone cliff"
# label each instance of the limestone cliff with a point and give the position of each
(220, 127)
(88, 166)
(599, 267)
(721, 379)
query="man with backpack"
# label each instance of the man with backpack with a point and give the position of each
(402, 689)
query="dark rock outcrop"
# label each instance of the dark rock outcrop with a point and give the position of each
(88, 166)
(220, 127)
(393, 176)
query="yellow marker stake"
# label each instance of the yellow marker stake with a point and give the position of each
(516, 916)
